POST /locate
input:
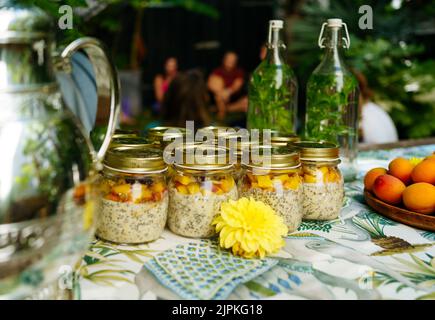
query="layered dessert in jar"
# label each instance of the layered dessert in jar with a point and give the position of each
(323, 186)
(134, 195)
(197, 190)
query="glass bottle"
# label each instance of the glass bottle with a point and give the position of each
(332, 98)
(273, 88)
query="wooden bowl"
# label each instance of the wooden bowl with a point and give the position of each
(411, 218)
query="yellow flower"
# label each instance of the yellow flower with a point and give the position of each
(251, 228)
(414, 161)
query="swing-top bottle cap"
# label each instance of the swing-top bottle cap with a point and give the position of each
(335, 22)
(276, 24)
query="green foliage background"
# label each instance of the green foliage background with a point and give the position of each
(397, 63)
(108, 21)
(395, 56)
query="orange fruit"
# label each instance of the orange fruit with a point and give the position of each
(420, 197)
(401, 168)
(371, 176)
(424, 172)
(389, 189)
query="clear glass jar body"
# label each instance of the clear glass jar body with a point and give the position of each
(273, 92)
(323, 190)
(195, 197)
(134, 207)
(332, 104)
(281, 189)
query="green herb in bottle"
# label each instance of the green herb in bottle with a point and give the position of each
(332, 99)
(273, 88)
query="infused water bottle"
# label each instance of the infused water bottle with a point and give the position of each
(273, 88)
(332, 98)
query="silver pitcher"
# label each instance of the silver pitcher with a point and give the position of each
(48, 194)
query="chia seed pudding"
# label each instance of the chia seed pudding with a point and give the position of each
(323, 187)
(274, 178)
(198, 188)
(286, 204)
(322, 201)
(132, 222)
(191, 215)
(134, 195)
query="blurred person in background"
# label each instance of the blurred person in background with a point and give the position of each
(226, 82)
(162, 81)
(376, 124)
(241, 104)
(186, 99)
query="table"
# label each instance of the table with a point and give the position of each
(360, 255)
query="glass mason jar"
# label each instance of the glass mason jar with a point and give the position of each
(282, 141)
(273, 88)
(135, 197)
(121, 133)
(218, 132)
(128, 141)
(198, 188)
(163, 136)
(332, 98)
(277, 183)
(230, 138)
(323, 187)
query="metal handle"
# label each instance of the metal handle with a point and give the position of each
(107, 84)
(321, 39)
(346, 39)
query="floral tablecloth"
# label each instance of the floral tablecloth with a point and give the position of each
(361, 255)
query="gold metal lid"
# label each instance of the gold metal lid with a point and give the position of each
(274, 157)
(129, 142)
(317, 151)
(284, 140)
(161, 130)
(221, 130)
(245, 146)
(120, 133)
(203, 157)
(157, 134)
(137, 159)
(221, 134)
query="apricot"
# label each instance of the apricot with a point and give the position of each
(371, 176)
(146, 194)
(334, 175)
(308, 178)
(184, 180)
(431, 157)
(264, 181)
(401, 168)
(424, 172)
(420, 197)
(389, 188)
(181, 188)
(158, 187)
(193, 188)
(122, 188)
